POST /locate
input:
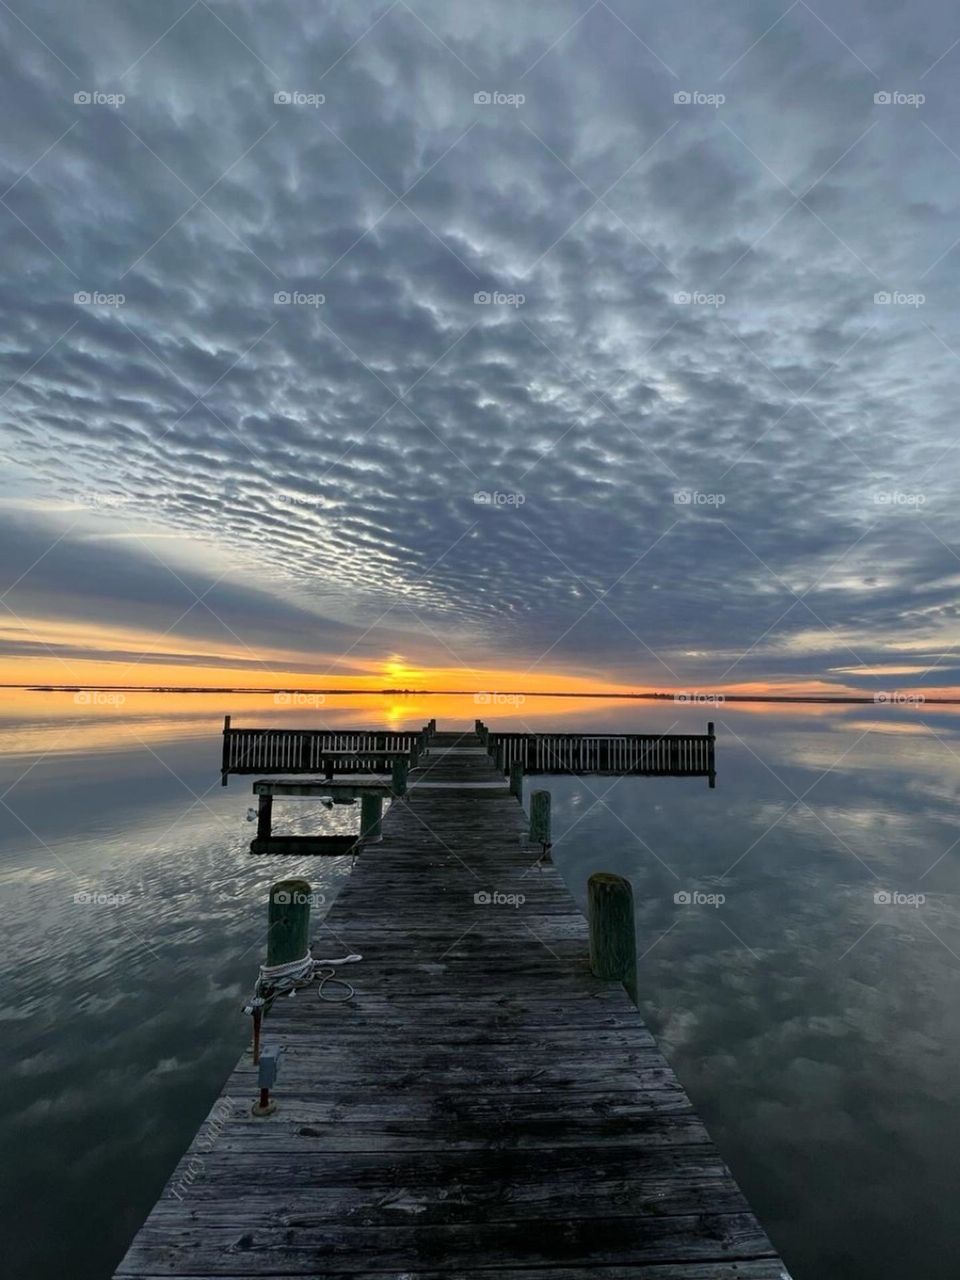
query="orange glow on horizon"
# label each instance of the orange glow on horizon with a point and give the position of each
(162, 661)
(401, 677)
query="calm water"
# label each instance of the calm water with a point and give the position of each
(816, 1028)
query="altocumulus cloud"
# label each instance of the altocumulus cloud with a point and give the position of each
(556, 330)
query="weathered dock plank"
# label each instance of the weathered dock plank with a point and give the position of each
(482, 1105)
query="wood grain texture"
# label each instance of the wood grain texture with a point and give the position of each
(482, 1107)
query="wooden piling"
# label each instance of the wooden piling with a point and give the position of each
(264, 817)
(288, 922)
(540, 818)
(371, 815)
(613, 938)
(516, 779)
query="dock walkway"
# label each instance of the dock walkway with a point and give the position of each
(482, 1107)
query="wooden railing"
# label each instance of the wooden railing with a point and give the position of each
(690, 755)
(304, 750)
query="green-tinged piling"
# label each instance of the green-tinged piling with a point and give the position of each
(613, 938)
(288, 922)
(540, 818)
(516, 779)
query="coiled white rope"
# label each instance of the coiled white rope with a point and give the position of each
(285, 979)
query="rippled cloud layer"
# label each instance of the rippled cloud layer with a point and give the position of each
(575, 338)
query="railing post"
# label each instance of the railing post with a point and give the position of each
(613, 938)
(540, 819)
(516, 779)
(711, 753)
(501, 757)
(371, 815)
(399, 777)
(225, 758)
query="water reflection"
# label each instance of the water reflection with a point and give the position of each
(815, 1026)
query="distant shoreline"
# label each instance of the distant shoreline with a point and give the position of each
(702, 698)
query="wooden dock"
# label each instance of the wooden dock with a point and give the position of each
(483, 1107)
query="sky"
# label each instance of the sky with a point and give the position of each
(589, 345)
